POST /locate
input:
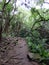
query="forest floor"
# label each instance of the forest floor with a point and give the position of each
(13, 51)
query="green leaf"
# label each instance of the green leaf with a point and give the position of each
(9, 8)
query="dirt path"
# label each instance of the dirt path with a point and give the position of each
(16, 55)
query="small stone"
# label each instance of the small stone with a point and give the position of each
(32, 56)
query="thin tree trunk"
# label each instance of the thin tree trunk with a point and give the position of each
(0, 31)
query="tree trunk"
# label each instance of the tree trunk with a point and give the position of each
(0, 32)
(7, 23)
(0, 27)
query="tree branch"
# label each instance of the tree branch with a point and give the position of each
(6, 4)
(11, 18)
(46, 2)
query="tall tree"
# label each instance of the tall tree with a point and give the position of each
(6, 7)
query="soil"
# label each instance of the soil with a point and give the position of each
(13, 51)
